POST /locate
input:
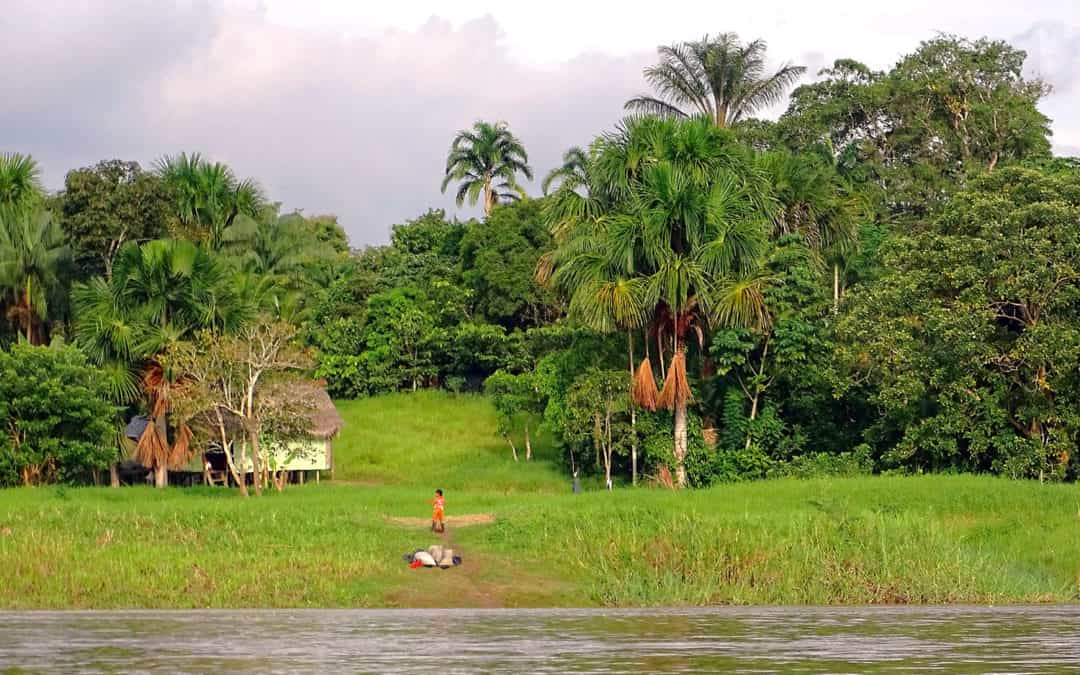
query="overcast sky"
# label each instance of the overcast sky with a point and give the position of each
(346, 107)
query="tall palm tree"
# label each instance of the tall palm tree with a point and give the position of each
(33, 247)
(159, 293)
(817, 203)
(20, 183)
(486, 162)
(718, 77)
(209, 196)
(677, 245)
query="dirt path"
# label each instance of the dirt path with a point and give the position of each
(451, 521)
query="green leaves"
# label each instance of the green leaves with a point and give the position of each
(719, 78)
(486, 161)
(57, 421)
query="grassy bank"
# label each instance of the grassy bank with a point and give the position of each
(863, 540)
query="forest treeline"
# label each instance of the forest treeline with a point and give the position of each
(885, 278)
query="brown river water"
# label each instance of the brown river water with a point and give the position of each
(1038, 639)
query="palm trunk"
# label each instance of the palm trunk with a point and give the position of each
(633, 410)
(114, 475)
(528, 444)
(680, 444)
(836, 287)
(487, 196)
(161, 471)
(681, 441)
(29, 315)
(660, 351)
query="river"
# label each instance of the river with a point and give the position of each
(1040, 639)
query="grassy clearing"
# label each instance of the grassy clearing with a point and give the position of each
(924, 539)
(436, 439)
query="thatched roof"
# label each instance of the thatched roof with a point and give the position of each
(326, 421)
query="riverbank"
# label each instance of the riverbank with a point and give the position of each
(930, 539)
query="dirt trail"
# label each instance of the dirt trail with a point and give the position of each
(451, 521)
(467, 585)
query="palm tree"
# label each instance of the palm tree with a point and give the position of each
(209, 197)
(677, 245)
(20, 183)
(573, 172)
(159, 293)
(32, 249)
(718, 77)
(482, 156)
(817, 203)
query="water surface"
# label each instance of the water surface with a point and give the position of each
(1042, 639)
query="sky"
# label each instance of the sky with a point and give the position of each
(346, 107)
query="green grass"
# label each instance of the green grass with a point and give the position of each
(928, 539)
(439, 440)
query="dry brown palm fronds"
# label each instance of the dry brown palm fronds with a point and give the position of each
(181, 449)
(150, 450)
(156, 386)
(644, 390)
(676, 389)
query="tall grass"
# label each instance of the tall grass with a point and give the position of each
(928, 539)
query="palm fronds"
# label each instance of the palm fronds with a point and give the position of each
(486, 161)
(676, 391)
(719, 78)
(644, 391)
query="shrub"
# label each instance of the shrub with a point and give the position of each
(58, 424)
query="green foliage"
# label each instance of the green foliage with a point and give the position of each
(33, 250)
(208, 196)
(57, 422)
(719, 78)
(20, 184)
(108, 204)
(486, 161)
(499, 257)
(952, 108)
(969, 339)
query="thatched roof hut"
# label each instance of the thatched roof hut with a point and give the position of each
(326, 421)
(314, 451)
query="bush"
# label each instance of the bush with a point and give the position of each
(859, 462)
(58, 424)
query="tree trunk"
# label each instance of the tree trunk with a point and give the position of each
(598, 435)
(487, 196)
(633, 410)
(753, 415)
(660, 351)
(513, 448)
(528, 444)
(256, 463)
(161, 471)
(680, 444)
(114, 475)
(226, 447)
(836, 288)
(607, 449)
(29, 314)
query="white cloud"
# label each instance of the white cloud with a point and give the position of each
(352, 114)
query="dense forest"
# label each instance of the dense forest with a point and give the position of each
(886, 278)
